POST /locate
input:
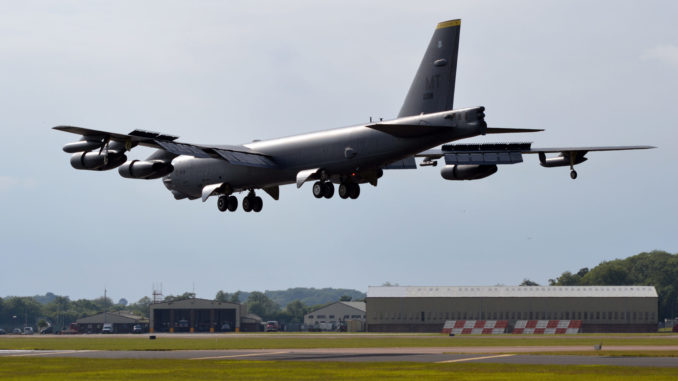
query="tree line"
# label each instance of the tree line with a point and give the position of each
(61, 311)
(656, 268)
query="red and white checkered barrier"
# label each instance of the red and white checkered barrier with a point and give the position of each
(475, 327)
(547, 327)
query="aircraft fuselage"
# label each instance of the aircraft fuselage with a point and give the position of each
(339, 152)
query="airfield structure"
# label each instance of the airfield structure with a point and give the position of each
(426, 308)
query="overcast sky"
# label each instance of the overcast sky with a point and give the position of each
(228, 72)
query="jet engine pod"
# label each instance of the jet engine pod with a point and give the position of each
(83, 145)
(137, 169)
(97, 162)
(467, 171)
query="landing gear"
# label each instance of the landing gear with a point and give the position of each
(573, 174)
(343, 191)
(257, 204)
(229, 203)
(323, 189)
(252, 202)
(318, 189)
(232, 203)
(353, 190)
(347, 190)
(222, 203)
(328, 190)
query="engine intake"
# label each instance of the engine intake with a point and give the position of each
(148, 170)
(93, 161)
(467, 172)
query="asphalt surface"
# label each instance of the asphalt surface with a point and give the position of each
(428, 355)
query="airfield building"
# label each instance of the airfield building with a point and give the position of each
(195, 315)
(425, 309)
(122, 322)
(328, 318)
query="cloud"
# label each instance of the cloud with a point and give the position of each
(664, 53)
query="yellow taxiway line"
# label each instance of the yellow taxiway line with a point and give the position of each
(475, 358)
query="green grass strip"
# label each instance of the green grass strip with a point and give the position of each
(101, 342)
(46, 369)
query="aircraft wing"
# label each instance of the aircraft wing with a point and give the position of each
(237, 155)
(492, 154)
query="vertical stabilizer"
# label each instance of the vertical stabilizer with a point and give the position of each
(433, 87)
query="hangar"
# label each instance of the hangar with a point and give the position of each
(195, 315)
(425, 309)
(122, 321)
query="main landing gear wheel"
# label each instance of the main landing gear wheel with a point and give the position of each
(257, 204)
(328, 190)
(222, 203)
(353, 190)
(247, 204)
(232, 203)
(318, 189)
(573, 174)
(343, 191)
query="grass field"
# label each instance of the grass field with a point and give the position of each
(277, 341)
(130, 370)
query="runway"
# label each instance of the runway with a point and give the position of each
(426, 355)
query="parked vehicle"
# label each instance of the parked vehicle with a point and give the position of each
(47, 330)
(226, 327)
(2, 331)
(137, 328)
(28, 331)
(271, 326)
(17, 331)
(107, 328)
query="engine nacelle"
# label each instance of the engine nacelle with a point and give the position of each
(83, 145)
(148, 170)
(560, 160)
(94, 161)
(467, 171)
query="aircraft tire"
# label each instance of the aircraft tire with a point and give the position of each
(247, 204)
(328, 190)
(232, 203)
(343, 191)
(222, 203)
(318, 189)
(354, 191)
(257, 204)
(573, 174)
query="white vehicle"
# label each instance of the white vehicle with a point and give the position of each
(108, 328)
(28, 330)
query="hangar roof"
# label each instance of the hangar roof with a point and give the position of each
(195, 303)
(118, 317)
(510, 291)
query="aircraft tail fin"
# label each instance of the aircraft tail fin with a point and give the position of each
(433, 87)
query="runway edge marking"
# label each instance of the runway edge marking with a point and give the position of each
(475, 358)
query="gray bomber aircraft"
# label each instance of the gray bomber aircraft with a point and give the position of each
(347, 156)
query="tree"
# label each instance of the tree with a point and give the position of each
(296, 311)
(260, 304)
(176, 298)
(221, 296)
(42, 323)
(122, 302)
(527, 282)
